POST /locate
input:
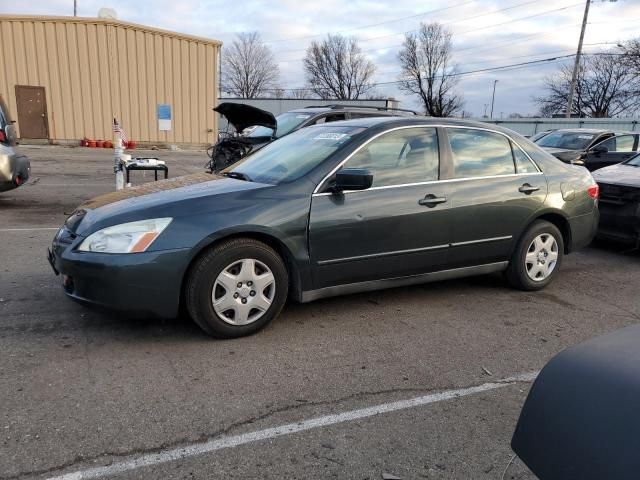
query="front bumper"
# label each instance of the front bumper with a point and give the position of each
(141, 284)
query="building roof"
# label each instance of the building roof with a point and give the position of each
(107, 21)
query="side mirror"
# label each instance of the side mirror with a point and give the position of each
(599, 149)
(353, 179)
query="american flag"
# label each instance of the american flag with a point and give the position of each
(119, 132)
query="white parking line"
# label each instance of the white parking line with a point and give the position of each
(33, 229)
(169, 455)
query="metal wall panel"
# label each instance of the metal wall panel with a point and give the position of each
(95, 69)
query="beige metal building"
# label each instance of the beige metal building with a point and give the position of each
(66, 78)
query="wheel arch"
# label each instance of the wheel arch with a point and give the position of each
(295, 283)
(561, 222)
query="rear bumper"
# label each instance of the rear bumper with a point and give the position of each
(619, 212)
(583, 229)
(141, 284)
(14, 171)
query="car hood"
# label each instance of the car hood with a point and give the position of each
(242, 116)
(620, 174)
(563, 154)
(153, 199)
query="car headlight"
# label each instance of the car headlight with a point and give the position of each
(132, 237)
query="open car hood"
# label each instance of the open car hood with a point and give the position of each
(242, 116)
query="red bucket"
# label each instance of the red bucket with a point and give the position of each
(91, 143)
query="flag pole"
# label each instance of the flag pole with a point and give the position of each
(117, 157)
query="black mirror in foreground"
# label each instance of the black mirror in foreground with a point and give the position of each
(353, 179)
(582, 417)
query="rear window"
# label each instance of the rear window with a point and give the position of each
(478, 153)
(286, 123)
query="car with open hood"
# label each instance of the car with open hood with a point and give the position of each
(14, 168)
(331, 209)
(620, 201)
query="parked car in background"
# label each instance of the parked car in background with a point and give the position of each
(620, 201)
(315, 115)
(534, 138)
(571, 145)
(613, 150)
(331, 209)
(254, 128)
(14, 168)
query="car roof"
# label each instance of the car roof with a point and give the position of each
(383, 111)
(583, 130)
(399, 121)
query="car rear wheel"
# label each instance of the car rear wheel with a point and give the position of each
(537, 257)
(236, 288)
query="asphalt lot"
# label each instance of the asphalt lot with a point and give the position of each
(80, 390)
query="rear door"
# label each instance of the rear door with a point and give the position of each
(398, 227)
(495, 189)
(619, 148)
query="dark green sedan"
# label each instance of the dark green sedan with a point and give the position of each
(331, 209)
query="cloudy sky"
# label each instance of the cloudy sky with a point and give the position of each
(486, 34)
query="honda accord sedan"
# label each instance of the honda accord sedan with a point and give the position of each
(331, 209)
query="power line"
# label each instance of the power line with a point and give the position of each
(454, 35)
(422, 14)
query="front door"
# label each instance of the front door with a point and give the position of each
(396, 228)
(619, 148)
(494, 192)
(32, 112)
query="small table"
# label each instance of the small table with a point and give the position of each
(144, 164)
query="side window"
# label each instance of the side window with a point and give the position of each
(621, 143)
(329, 118)
(353, 115)
(523, 164)
(478, 153)
(403, 156)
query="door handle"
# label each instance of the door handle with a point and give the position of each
(431, 200)
(528, 189)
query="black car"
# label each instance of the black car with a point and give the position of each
(620, 201)
(613, 150)
(571, 145)
(330, 209)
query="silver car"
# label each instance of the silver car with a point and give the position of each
(14, 168)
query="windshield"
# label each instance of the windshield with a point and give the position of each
(286, 123)
(634, 161)
(568, 140)
(294, 155)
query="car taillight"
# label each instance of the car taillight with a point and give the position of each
(3, 137)
(593, 191)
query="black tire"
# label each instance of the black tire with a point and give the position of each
(206, 269)
(517, 273)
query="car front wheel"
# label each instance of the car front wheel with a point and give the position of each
(537, 257)
(236, 288)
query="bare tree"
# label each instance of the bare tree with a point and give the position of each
(631, 54)
(336, 68)
(301, 93)
(249, 69)
(606, 87)
(427, 70)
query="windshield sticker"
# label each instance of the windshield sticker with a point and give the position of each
(302, 116)
(331, 136)
(584, 137)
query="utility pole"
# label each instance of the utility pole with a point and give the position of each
(493, 97)
(576, 66)
(75, 8)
